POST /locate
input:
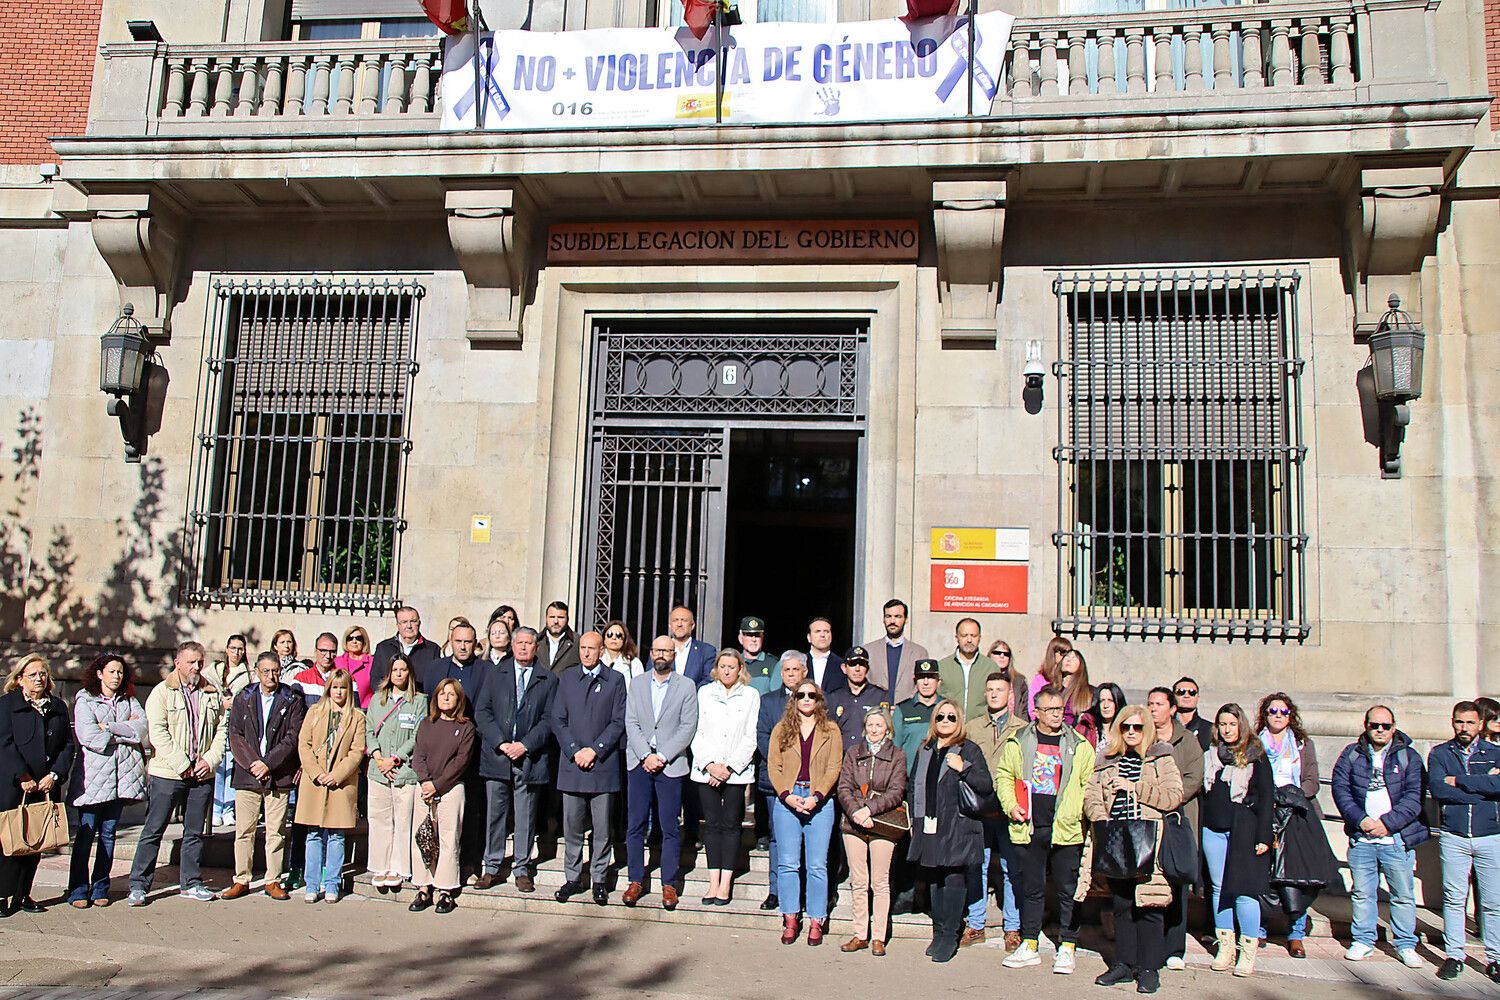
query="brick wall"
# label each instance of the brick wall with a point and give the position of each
(47, 50)
(1492, 55)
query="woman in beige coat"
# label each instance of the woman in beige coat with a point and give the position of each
(331, 749)
(1136, 778)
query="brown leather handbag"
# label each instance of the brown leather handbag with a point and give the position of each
(33, 828)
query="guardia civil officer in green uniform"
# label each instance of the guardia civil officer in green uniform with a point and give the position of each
(912, 718)
(763, 669)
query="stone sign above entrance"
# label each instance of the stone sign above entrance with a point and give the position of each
(781, 240)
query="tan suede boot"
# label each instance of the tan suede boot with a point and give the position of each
(1246, 965)
(1224, 959)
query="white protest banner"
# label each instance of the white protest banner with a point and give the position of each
(856, 72)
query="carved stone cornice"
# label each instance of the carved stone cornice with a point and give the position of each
(489, 225)
(141, 236)
(1395, 232)
(968, 219)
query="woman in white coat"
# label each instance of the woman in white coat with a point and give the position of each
(723, 766)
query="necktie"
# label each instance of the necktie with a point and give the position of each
(520, 686)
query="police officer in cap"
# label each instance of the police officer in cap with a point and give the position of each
(848, 705)
(912, 718)
(763, 669)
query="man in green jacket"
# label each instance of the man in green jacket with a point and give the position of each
(962, 673)
(1044, 769)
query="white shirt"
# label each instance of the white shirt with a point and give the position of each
(1378, 800)
(680, 660)
(966, 666)
(819, 666)
(266, 700)
(496, 656)
(552, 644)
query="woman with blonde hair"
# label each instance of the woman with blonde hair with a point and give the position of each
(1136, 778)
(947, 841)
(395, 712)
(1048, 673)
(723, 765)
(806, 752)
(357, 658)
(36, 757)
(331, 749)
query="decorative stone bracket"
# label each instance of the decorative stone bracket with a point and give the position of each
(489, 225)
(1394, 231)
(968, 218)
(140, 236)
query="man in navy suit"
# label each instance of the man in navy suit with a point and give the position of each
(693, 659)
(588, 722)
(511, 715)
(824, 666)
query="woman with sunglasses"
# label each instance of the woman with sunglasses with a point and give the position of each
(1108, 700)
(1238, 803)
(1004, 659)
(357, 659)
(1302, 862)
(620, 653)
(1049, 673)
(806, 753)
(1135, 778)
(947, 841)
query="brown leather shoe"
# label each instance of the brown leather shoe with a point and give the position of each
(524, 883)
(274, 890)
(235, 891)
(633, 893)
(486, 881)
(854, 944)
(669, 897)
(970, 936)
(877, 948)
(1295, 949)
(1012, 941)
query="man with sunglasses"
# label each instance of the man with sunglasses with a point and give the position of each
(1378, 784)
(1185, 695)
(1464, 777)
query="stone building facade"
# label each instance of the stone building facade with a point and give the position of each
(378, 377)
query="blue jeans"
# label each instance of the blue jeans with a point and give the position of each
(1244, 909)
(1460, 855)
(799, 836)
(94, 822)
(769, 798)
(980, 908)
(1010, 880)
(223, 811)
(325, 860)
(1367, 862)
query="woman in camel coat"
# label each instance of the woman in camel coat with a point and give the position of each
(331, 749)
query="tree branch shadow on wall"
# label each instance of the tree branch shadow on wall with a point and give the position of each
(44, 599)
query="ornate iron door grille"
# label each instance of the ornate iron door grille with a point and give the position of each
(664, 400)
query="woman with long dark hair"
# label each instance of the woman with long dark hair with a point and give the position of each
(1004, 659)
(1048, 673)
(1236, 811)
(806, 753)
(620, 653)
(1078, 695)
(1302, 863)
(444, 747)
(1108, 700)
(110, 726)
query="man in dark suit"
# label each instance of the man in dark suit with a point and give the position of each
(512, 718)
(772, 707)
(588, 722)
(692, 658)
(824, 666)
(462, 665)
(420, 652)
(557, 647)
(265, 724)
(894, 657)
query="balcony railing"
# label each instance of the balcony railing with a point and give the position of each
(1277, 54)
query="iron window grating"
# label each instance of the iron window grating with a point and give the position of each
(1185, 388)
(298, 482)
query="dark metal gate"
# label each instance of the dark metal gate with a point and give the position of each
(665, 399)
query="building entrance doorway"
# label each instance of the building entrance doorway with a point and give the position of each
(725, 465)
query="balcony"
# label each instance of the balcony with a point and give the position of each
(1316, 81)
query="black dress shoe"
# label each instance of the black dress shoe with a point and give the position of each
(422, 902)
(1450, 969)
(30, 905)
(567, 891)
(1493, 971)
(601, 895)
(445, 903)
(770, 903)
(1116, 975)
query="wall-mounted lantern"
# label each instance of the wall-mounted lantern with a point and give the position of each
(124, 353)
(1396, 348)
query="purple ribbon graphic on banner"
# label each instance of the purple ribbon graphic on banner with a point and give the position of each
(485, 53)
(959, 43)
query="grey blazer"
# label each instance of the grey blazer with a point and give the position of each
(672, 732)
(906, 681)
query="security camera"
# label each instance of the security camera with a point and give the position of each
(1033, 375)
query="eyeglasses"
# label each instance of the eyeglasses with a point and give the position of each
(1132, 727)
(1049, 709)
(325, 649)
(807, 696)
(1278, 711)
(660, 652)
(1382, 726)
(1187, 692)
(946, 717)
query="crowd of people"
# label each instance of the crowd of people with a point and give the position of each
(948, 780)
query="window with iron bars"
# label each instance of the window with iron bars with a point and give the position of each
(1180, 462)
(298, 479)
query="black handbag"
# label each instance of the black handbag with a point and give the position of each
(976, 806)
(1179, 850)
(1125, 848)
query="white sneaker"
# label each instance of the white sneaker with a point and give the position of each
(1410, 958)
(1176, 964)
(136, 898)
(331, 897)
(310, 897)
(200, 894)
(1023, 957)
(1064, 963)
(1358, 952)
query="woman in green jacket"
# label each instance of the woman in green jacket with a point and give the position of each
(390, 734)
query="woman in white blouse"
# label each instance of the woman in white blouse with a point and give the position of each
(723, 765)
(620, 651)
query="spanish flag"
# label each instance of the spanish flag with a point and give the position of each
(698, 15)
(452, 16)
